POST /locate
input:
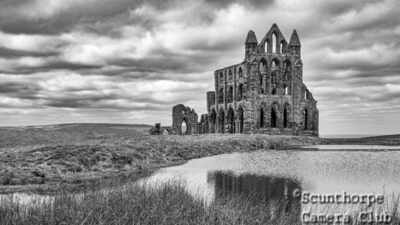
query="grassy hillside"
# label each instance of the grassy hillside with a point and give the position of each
(79, 155)
(66, 134)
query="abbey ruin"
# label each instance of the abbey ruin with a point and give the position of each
(264, 93)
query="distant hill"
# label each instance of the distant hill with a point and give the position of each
(393, 139)
(74, 133)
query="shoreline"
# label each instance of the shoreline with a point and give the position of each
(113, 164)
(92, 184)
(43, 160)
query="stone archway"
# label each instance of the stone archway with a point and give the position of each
(182, 115)
(184, 127)
(286, 115)
(274, 123)
(231, 121)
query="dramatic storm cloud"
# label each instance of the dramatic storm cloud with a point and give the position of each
(130, 61)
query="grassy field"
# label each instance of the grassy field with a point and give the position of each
(78, 156)
(83, 157)
(167, 205)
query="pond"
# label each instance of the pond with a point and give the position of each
(354, 170)
(273, 174)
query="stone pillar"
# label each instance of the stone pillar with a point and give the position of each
(250, 115)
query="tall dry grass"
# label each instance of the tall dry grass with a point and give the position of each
(167, 204)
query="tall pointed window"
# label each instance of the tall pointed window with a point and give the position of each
(240, 92)
(274, 42)
(230, 94)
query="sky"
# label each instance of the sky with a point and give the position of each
(130, 61)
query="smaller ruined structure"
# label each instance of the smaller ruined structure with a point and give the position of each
(184, 120)
(157, 129)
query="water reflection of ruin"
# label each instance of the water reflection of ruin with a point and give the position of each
(274, 192)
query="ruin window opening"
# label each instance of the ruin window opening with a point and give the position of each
(263, 66)
(275, 64)
(221, 122)
(184, 127)
(286, 117)
(240, 73)
(274, 42)
(274, 83)
(274, 90)
(221, 96)
(231, 121)
(305, 119)
(273, 118)
(240, 92)
(230, 94)
(241, 119)
(286, 90)
(262, 124)
(287, 70)
(213, 119)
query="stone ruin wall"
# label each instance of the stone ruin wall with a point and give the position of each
(183, 115)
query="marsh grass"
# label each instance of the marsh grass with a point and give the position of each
(166, 204)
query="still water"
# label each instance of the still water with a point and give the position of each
(354, 170)
(276, 173)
